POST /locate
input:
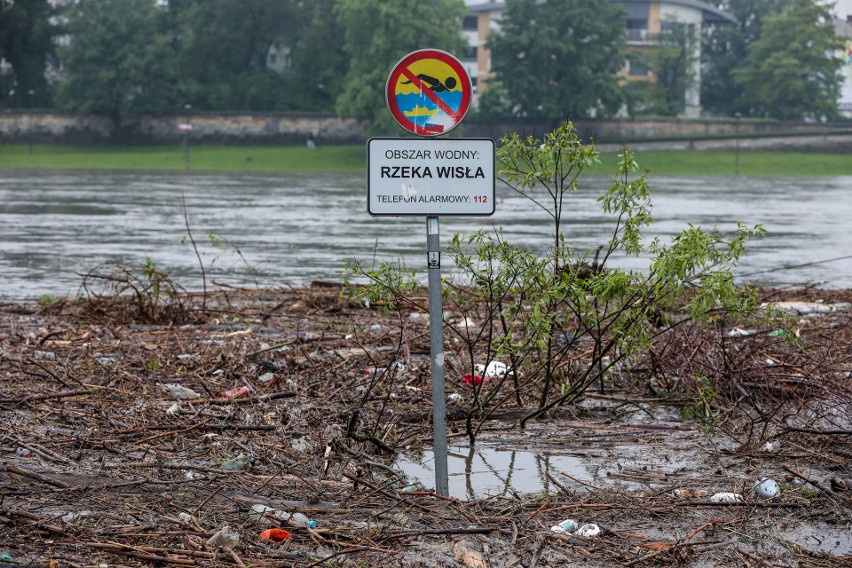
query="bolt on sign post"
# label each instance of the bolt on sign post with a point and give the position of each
(428, 93)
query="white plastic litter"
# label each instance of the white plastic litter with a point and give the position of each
(589, 531)
(454, 397)
(173, 409)
(180, 392)
(225, 538)
(494, 370)
(772, 447)
(566, 526)
(241, 462)
(727, 498)
(184, 518)
(740, 332)
(807, 308)
(258, 514)
(75, 515)
(767, 488)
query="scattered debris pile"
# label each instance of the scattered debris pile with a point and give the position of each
(263, 430)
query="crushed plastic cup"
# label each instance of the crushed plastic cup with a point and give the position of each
(241, 462)
(23, 453)
(566, 526)
(767, 488)
(226, 537)
(275, 535)
(726, 497)
(589, 531)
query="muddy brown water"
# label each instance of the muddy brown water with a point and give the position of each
(290, 229)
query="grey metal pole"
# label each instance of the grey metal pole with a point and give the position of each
(436, 332)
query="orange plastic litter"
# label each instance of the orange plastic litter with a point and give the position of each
(275, 535)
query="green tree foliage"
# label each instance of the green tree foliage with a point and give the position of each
(724, 49)
(121, 59)
(226, 47)
(27, 31)
(567, 319)
(792, 70)
(319, 61)
(671, 60)
(560, 58)
(377, 34)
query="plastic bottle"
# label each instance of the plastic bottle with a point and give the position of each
(259, 513)
(297, 518)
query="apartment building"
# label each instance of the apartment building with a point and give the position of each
(643, 22)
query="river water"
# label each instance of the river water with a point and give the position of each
(274, 230)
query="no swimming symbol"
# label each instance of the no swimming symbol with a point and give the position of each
(428, 92)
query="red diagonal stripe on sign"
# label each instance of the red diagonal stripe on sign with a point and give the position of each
(428, 92)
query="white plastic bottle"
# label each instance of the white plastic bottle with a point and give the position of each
(297, 518)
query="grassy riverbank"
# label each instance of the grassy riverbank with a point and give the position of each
(352, 158)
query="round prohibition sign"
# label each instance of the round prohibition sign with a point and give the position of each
(428, 92)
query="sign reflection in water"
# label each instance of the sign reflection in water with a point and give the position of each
(295, 228)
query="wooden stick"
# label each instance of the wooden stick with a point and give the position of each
(386, 493)
(33, 475)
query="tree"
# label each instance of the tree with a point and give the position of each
(377, 34)
(671, 61)
(226, 47)
(562, 322)
(319, 61)
(27, 31)
(120, 61)
(792, 70)
(724, 49)
(560, 58)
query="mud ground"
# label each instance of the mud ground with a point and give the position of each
(116, 435)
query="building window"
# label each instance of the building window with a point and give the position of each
(637, 69)
(470, 23)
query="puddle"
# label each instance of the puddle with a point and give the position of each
(519, 464)
(836, 541)
(482, 471)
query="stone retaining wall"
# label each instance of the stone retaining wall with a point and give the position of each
(294, 128)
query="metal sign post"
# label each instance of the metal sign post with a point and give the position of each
(428, 93)
(436, 333)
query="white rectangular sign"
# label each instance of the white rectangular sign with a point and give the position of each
(415, 176)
